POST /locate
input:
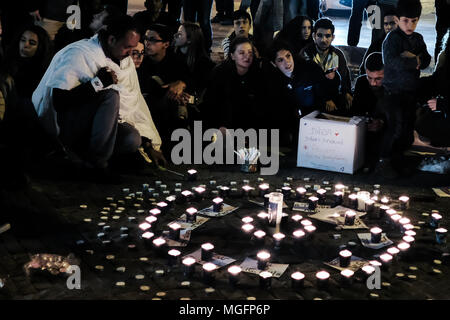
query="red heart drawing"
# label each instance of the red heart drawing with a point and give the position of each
(336, 134)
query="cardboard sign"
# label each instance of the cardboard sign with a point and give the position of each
(251, 266)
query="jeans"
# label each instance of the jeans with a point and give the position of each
(200, 11)
(93, 132)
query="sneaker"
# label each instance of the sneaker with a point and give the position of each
(217, 19)
(384, 168)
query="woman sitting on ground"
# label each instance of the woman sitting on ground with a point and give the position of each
(297, 33)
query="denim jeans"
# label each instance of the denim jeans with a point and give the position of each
(200, 11)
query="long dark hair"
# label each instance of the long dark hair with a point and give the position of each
(292, 33)
(196, 47)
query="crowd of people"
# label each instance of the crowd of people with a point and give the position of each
(121, 85)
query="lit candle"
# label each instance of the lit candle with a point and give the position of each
(199, 192)
(404, 202)
(362, 197)
(410, 233)
(322, 279)
(312, 203)
(408, 227)
(247, 228)
(187, 195)
(275, 208)
(367, 271)
(404, 221)
(174, 231)
(208, 272)
(441, 235)
(234, 272)
(408, 239)
(435, 220)
(299, 236)
(263, 189)
(353, 201)
(346, 277)
(306, 223)
(386, 260)
(258, 237)
(174, 256)
(207, 251)
(298, 280)
(390, 212)
(151, 220)
(344, 258)
(339, 187)
(246, 191)
(217, 204)
(192, 175)
(189, 266)
(338, 198)
(369, 207)
(300, 193)
(265, 279)
(224, 191)
(145, 226)
(191, 215)
(171, 200)
(278, 238)
(159, 244)
(349, 218)
(162, 206)
(263, 215)
(395, 218)
(147, 237)
(247, 220)
(309, 231)
(297, 218)
(403, 247)
(393, 251)
(263, 259)
(286, 190)
(321, 195)
(375, 235)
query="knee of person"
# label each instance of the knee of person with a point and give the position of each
(132, 141)
(112, 97)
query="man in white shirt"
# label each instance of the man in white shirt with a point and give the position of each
(84, 100)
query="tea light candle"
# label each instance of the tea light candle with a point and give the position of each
(186, 195)
(265, 279)
(367, 271)
(395, 218)
(441, 235)
(393, 251)
(286, 191)
(174, 256)
(300, 193)
(404, 221)
(349, 218)
(217, 204)
(297, 218)
(247, 228)
(299, 236)
(385, 200)
(174, 231)
(233, 277)
(159, 244)
(263, 189)
(386, 259)
(390, 212)
(263, 215)
(189, 266)
(258, 237)
(435, 220)
(246, 191)
(312, 203)
(306, 223)
(199, 192)
(224, 191)
(322, 279)
(344, 258)
(362, 197)
(145, 226)
(171, 200)
(162, 206)
(408, 239)
(369, 206)
(375, 235)
(247, 220)
(297, 280)
(263, 259)
(208, 272)
(346, 277)
(278, 238)
(191, 215)
(207, 251)
(310, 230)
(338, 198)
(321, 195)
(382, 210)
(192, 175)
(147, 237)
(151, 220)
(339, 187)
(404, 202)
(353, 201)
(403, 247)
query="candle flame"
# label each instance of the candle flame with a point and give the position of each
(175, 226)
(209, 266)
(298, 233)
(191, 211)
(159, 241)
(297, 217)
(393, 251)
(297, 276)
(259, 234)
(247, 219)
(188, 261)
(265, 274)
(279, 236)
(207, 246)
(247, 227)
(155, 211)
(263, 255)
(144, 226)
(148, 235)
(345, 253)
(151, 219)
(347, 273)
(174, 253)
(322, 275)
(234, 270)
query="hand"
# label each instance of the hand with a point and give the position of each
(331, 75)
(348, 100)
(36, 15)
(330, 105)
(375, 125)
(175, 89)
(107, 76)
(432, 104)
(407, 54)
(157, 157)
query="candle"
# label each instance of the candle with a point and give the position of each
(375, 235)
(441, 235)
(258, 237)
(403, 246)
(278, 238)
(189, 266)
(275, 208)
(263, 215)
(297, 217)
(408, 239)
(306, 223)
(344, 258)
(369, 207)
(174, 256)
(192, 175)
(217, 204)
(208, 272)
(263, 189)
(299, 236)
(265, 279)
(404, 221)
(234, 272)
(174, 231)
(309, 231)
(162, 206)
(300, 193)
(186, 195)
(298, 280)
(312, 203)
(338, 198)
(353, 201)
(383, 210)
(159, 244)
(171, 200)
(286, 190)
(246, 191)
(199, 192)
(263, 259)
(404, 202)
(146, 237)
(191, 215)
(362, 197)
(349, 218)
(410, 233)
(346, 277)
(435, 220)
(151, 220)
(321, 195)
(322, 279)
(367, 271)
(224, 191)
(207, 251)
(339, 187)
(395, 218)
(145, 226)
(393, 251)
(386, 259)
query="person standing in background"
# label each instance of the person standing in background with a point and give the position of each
(442, 23)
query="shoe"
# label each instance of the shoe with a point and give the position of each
(217, 19)
(384, 168)
(226, 22)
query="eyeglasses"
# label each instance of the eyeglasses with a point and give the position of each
(152, 40)
(137, 54)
